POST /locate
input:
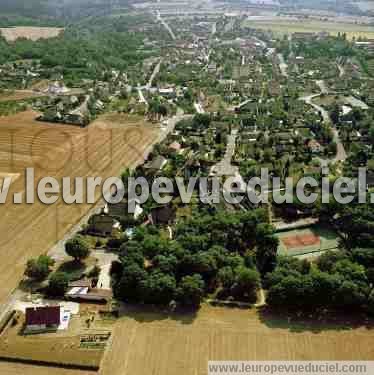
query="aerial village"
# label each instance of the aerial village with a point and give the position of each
(228, 100)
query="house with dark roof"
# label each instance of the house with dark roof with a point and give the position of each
(42, 318)
(103, 225)
(163, 215)
(122, 209)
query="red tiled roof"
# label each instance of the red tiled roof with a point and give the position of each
(49, 315)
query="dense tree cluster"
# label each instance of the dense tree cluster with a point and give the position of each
(81, 51)
(337, 280)
(38, 269)
(210, 252)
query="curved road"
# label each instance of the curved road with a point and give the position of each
(341, 154)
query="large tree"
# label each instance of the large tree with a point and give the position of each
(77, 248)
(58, 284)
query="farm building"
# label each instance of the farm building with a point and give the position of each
(82, 291)
(103, 225)
(89, 295)
(41, 318)
(122, 210)
(163, 215)
(314, 146)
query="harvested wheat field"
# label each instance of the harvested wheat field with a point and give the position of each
(33, 33)
(103, 149)
(150, 343)
(7, 368)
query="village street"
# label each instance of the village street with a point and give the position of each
(224, 167)
(341, 154)
(167, 27)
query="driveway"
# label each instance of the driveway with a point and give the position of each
(104, 261)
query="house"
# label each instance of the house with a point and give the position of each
(121, 210)
(90, 295)
(314, 146)
(102, 224)
(167, 92)
(175, 146)
(163, 215)
(83, 283)
(42, 318)
(370, 180)
(156, 164)
(192, 168)
(57, 88)
(212, 67)
(298, 36)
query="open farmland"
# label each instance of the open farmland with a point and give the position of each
(7, 368)
(33, 33)
(151, 343)
(103, 149)
(289, 26)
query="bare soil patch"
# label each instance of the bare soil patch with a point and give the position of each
(301, 240)
(33, 33)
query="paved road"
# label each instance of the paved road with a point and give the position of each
(282, 65)
(240, 105)
(341, 70)
(167, 27)
(341, 154)
(224, 167)
(105, 260)
(214, 28)
(156, 70)
(322, 86)
(142, 99)
(309, 100)
(199, 108)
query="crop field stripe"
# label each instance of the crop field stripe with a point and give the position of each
(144, 343)
(32, 229)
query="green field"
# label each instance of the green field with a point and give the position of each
(288, 26)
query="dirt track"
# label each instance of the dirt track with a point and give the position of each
(103, 149)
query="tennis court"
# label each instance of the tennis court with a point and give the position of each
(304, 241)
